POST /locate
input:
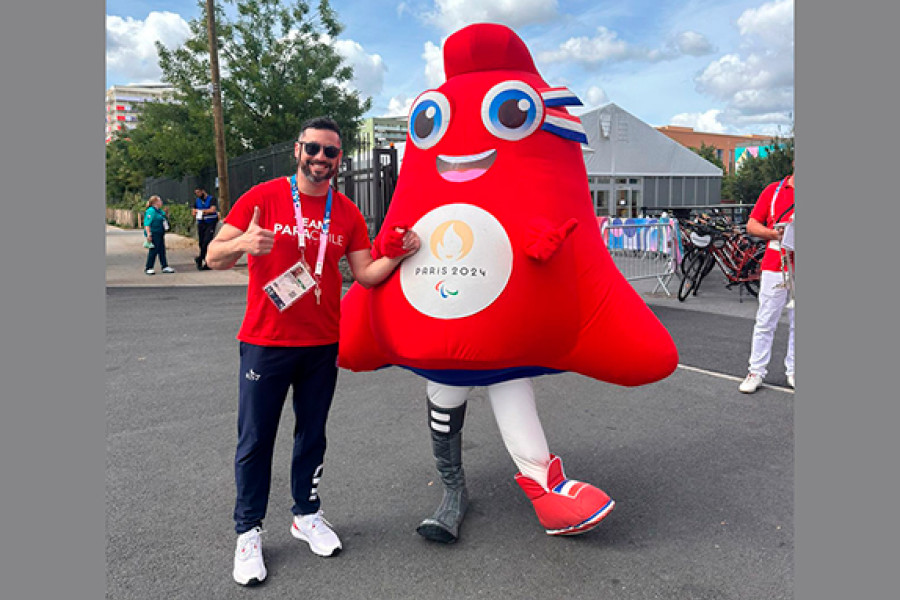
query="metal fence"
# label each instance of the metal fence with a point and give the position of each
(180, 191)
(644, 248)
(367, 176)
(738, 213)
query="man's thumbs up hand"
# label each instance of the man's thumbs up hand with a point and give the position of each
(258, 240)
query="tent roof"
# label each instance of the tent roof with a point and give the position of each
(621, 144)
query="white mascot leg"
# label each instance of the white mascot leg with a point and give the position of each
(520, 427)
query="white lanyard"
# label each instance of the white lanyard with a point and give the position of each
(301, 228)
(775, 244)
(775, 197)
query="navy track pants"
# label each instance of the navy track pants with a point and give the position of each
(266, 373)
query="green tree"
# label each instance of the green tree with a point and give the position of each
(175, 138)
(779, 162)
(279, 68)
(744, 185)
(282, 69)
(709, 153)
(126, 168)
(755, 173)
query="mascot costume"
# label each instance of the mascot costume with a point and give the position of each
(512, 281)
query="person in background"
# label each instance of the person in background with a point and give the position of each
(773, 209)
(295, 230)
(206, 211)
(156, 223)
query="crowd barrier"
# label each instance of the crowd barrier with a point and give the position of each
(644, 248)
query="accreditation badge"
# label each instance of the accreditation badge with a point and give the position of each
(288, 287)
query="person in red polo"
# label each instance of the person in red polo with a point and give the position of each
(295, 230)
(772, 211)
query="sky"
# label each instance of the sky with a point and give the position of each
(719, 66)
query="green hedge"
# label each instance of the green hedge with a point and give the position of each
(180, 218)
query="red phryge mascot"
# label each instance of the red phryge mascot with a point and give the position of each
(512, 280)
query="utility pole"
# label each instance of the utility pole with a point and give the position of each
(218, 120)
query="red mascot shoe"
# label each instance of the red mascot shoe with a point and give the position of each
(567, 507)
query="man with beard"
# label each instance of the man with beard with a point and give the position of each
(206, 211)
(294, 230)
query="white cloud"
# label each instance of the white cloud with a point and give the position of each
(603, 47)
(596, 96)
(772, 123)
(434, 65)
(607, 47)
(399, 106)
(693, 44)
(731, 74)
(763, 101)
(772, 23)
(450, 15)
(130, 44)
(706, 121)
(368, 69)
(756, 83)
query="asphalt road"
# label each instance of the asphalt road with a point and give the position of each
(702, 475)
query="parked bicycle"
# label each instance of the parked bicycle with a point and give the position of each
(698, 227)
(737, 254)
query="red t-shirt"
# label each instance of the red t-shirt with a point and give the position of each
(764, 213)
(303, 323)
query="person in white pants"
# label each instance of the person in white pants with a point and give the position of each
(774, 208)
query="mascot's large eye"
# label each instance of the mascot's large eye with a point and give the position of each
(512, 110)
(429, 118)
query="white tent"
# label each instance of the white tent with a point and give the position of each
(633, 168)
(620, 143)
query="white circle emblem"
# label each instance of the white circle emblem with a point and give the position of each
(463, 265)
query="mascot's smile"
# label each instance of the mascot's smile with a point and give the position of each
(465, 168)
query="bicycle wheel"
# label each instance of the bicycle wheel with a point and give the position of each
(686, 259)
(708, 265)
(709, 262)
(751, 272)
(692, 276)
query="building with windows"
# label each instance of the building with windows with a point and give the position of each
(744, 153)
(726, 145)
(381, 132)
(124, 103)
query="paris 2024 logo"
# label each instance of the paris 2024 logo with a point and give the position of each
(465, 266)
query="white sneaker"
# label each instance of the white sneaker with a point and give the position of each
(316, 531)
(249, 568)
(150, 272)
(168, 270)
(790, 378)
(751, 383)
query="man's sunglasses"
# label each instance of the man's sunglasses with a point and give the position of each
(312, 148)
